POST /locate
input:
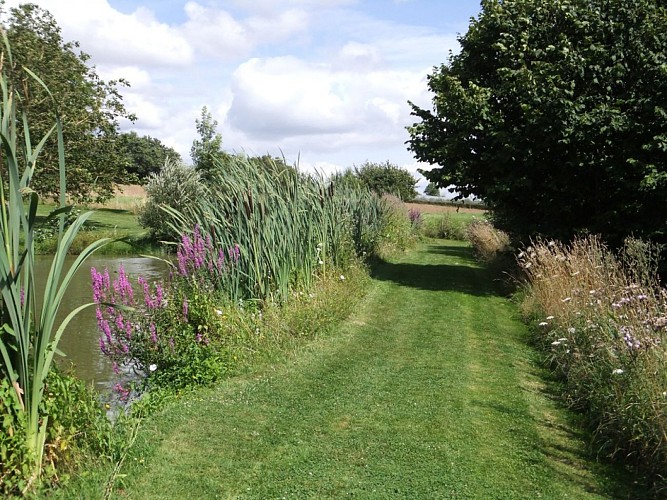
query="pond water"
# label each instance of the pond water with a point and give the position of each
(80, 342)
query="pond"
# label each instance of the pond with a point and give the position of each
(80, 342)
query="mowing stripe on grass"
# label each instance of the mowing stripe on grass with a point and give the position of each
(429, 391)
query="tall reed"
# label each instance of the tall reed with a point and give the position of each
(29, 335)
(289, 227)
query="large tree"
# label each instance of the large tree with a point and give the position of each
(144, 155)
(387, 178)
(555, 113)
(88, 106)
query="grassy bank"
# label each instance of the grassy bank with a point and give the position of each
(116, 219)
(428, 391)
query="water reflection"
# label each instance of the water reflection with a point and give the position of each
(80, 342)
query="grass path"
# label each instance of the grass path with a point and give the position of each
(429, 391)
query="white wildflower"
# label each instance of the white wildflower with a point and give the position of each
(571, 330)
(549, 318)
(555, 342)
(543, 323)
(342, 278)
(566, 299)
(617, 371)
(152, 367)
(218, 312)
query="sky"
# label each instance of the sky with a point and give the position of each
(322, 82)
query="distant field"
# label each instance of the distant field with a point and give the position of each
(429, 208)
(126, 197)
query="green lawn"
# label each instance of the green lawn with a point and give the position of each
(104, 223)
(428, 391)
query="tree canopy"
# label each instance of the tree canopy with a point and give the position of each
(144, 155)
(387, 178)
(88, 106)
(555, 114)
(432, 189)
(206, 152)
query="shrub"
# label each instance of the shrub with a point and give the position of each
(169, 332)
(387, 178)
(396, 229)
(444, 226)
(77, 428)
(175, 186)
(602, 318)
(487, 241)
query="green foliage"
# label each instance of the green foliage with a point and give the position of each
(89, 107)
(175, 186)
(289, 227)
(144, 155)
(387, 178)
(206, 152)
(445, 226)
(29, 335)
(432, 189)
(77, 428)
(554, 113)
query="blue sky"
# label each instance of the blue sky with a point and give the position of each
(322, 81)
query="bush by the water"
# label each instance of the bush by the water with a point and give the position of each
(175, 186)
(602, 319)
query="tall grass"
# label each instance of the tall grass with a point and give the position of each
(29, 336)
(602, 318)
(289, 227)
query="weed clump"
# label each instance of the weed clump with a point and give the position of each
(487, 241)
(602, 319)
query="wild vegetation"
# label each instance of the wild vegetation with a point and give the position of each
(264, 256)
(39, 430)
(601, 319)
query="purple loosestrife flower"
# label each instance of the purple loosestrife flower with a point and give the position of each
(98, 285)
(159, 295)
(153, 331)
(220, 262)
(123, 287)
(103, 347)
(185, 310)
(118, 320)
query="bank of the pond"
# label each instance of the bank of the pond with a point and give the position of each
(120, 224)
(428, 391)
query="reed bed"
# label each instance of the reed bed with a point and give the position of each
(289, 227)
(601, 316)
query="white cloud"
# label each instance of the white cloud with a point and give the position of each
(113, 37)
(217, 33)
(285, 97)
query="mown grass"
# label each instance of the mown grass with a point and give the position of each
(118, 224)
(428, 391)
